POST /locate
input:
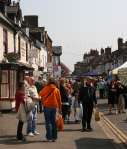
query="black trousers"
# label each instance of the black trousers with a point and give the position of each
(65, 111)
(19, 130)
(40, 106)
(101, 93)
(87, 115)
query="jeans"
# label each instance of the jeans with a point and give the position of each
(50, 122)
(32, 120)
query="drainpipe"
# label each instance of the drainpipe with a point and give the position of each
(14, 41)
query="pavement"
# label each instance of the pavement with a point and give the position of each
(70, 138)
(119, 120)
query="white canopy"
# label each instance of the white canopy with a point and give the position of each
(115, 71)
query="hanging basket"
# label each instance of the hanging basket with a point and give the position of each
(12, 57)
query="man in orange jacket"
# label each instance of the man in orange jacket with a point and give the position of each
(51, 100)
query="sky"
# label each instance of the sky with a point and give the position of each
(80, 25)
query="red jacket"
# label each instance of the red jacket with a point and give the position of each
(19, 98)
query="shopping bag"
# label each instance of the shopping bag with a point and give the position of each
(80, 111)
(59, 122)
(29, 104)
(97, 115)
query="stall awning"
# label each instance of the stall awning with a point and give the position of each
(115, 71)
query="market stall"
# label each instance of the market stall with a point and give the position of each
(122, 74)
(115, 71)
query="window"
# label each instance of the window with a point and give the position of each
(21, 76)
(26, 52)
(4, 84)
(5, 41)
(4, 76)
(12, 83)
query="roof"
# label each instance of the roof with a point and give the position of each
(6, 20)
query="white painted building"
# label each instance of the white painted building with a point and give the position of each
(38, 59)
(14, 45)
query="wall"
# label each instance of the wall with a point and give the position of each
(1, 42)
(10, 41)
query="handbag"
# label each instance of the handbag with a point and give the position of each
(80, 111)
(29, 104)
(97, 115)
(59, 122)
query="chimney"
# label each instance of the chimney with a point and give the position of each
(108, 51)
(120, 43)
(102, 51)
(31, 21)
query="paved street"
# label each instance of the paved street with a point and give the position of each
(70, 138)
(119, 120)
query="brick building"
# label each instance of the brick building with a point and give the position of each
(103, 62)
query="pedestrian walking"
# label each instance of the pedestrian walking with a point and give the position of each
(88, 99)
(113, 96)
(32, 119)
(75, 107)
(121, 99)
(20, 109)
(101, 87)
(51, 100)
(65, 100)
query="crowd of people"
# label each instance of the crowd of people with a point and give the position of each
(73, 99)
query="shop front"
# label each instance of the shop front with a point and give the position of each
(10, 76)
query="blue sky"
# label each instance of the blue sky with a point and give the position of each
(79, 25)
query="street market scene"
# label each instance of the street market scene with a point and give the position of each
(43, 102)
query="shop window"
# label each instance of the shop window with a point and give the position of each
(4, 76)
(4, 84)
(12, 83)
(21, 77)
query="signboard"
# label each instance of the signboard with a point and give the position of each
(5, 1)
(23, 50)
(49, 67)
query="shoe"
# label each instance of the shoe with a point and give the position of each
(36, 133)
(53, 140)
(82, 130)
(31, 134)
(89, 129)
(46, 140)
(77, 121)
(22, 139)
